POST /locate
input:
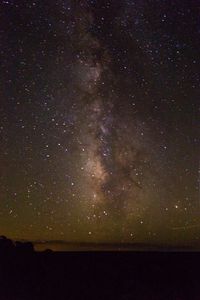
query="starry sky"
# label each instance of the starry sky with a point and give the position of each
(99, 120)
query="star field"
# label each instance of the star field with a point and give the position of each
(99, 121)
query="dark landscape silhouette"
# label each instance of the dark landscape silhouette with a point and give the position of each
(27, 274)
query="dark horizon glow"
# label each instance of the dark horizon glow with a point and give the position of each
(99, 121)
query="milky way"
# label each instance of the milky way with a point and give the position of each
(118, 162)
(99, 121)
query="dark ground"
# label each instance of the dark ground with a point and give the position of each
(99, 275)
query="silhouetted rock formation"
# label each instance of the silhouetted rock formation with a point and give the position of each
(7, 246)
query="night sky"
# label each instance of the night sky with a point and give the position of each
(99, 120)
